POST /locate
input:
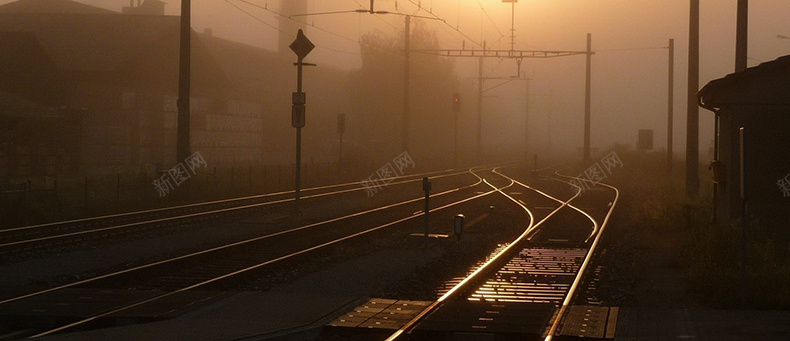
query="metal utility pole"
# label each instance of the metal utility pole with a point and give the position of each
(341, 129)
(692, 118)
(455, 141)
(456, 107)
(742, 35)
(526, 120)
(587, 100)
(184, 69)
(670, 103)
(511, 54)
(480, 106)
(512, 24)
(406, 81)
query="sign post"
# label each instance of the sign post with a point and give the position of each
(341, 128)
(426, 187)
(744, 212)
(302, 47)
(456, 105)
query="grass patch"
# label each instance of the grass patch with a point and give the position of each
(709, 255)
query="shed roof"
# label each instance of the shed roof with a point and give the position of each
(766, 84)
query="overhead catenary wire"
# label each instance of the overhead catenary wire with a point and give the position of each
(280, 30)
(281, 15)
(256, 18)
(490, 20)
(499, 85)
(419, 6)
(632, 49)
(266, 8)
(377, 17)
(291, 17)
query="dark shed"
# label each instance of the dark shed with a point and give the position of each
(757, 99)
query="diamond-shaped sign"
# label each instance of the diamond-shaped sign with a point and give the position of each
(301, 46)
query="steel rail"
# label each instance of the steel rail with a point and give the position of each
(215, 279)
(579, 190)
(586, 261)
(246, 241)
(205, 213)
(458, 287)
(258, 196)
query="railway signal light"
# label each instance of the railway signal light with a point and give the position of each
(456, 102)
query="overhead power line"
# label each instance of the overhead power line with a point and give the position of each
(491, 20)
(266, 8)
(419, 6)
(256, 18)
(286, 33)
(633, 49)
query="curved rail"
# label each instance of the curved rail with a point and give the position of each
(260, 264)
(586, 261)
(486, 266)
(238, 243)
(578, 192)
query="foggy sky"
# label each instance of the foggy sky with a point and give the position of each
(629, 67)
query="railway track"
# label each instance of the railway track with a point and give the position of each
(523, 290)
(164, 287)
(55, 236)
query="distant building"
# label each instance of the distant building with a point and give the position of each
(36, 139)
(758, 100)
(51, 7)
(39, 134)
(120, 73)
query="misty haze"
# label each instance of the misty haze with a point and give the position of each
(394, 170)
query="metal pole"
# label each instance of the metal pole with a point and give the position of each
(298, 166)
(426, 187)
(670, 103)
(526, 121)
(427, 212)
(512, 26)
(406, 82)
(742, 35)
(587, 101)
(340, 156)
(550, 113)
(716, 130)
(692, 118)
(182, 133)
(455, 142)
(479, 106)
(744, 216)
